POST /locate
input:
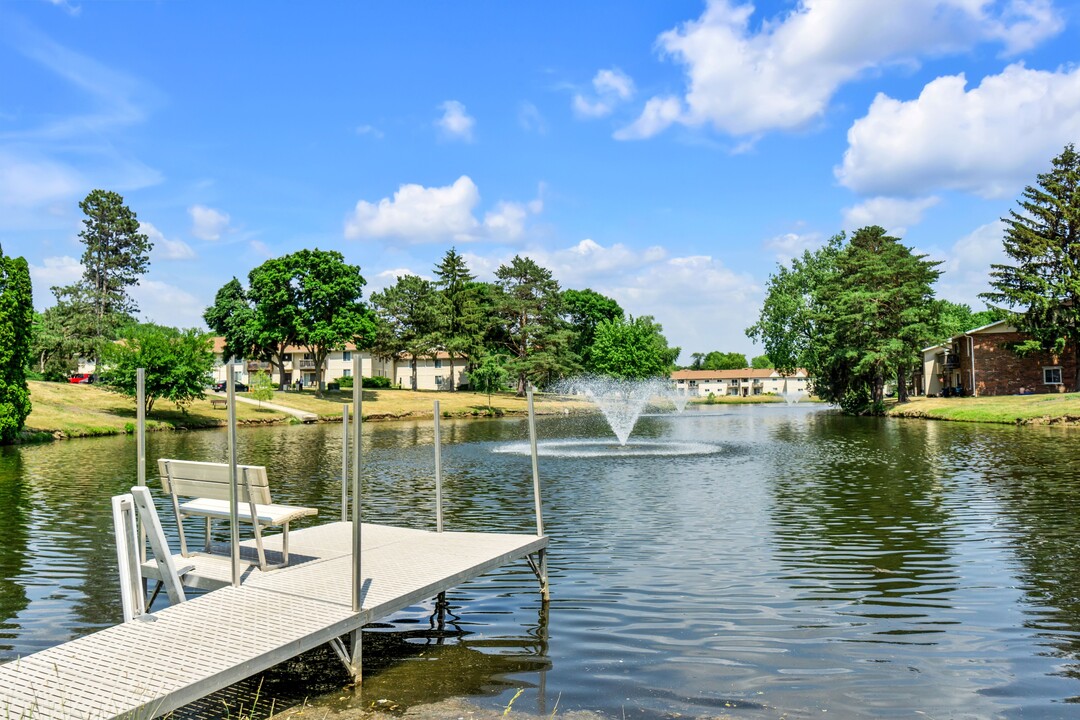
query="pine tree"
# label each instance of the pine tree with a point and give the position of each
(1042, 285)
(460, 322)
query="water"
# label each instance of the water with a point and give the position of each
(806, 562)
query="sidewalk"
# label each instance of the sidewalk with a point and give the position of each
(301, 414)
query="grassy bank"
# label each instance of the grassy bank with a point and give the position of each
(1009, 409)
(62, 410)
(412, 404)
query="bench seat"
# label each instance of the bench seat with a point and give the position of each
(267, 514)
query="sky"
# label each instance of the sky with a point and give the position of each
(666, 154)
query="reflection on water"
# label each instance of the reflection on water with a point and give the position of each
(806, 562)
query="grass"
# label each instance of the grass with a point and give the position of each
(1009, 409)
(64, 410)
(410, 404)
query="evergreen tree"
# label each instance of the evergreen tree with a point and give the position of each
(16, 328)
(460, 324)
(1043, 241)
(116, 256)
(406, 320)
(530, 308)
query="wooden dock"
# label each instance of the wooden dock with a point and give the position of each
(169, 658)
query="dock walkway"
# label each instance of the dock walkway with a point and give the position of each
(167, 659)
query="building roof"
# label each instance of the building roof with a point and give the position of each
(752, 373)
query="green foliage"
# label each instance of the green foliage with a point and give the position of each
(586, 309)
(957, 318)
(345, 382)
(724, 361)
(406, 320)
(761, 362)
(459, 319)
(377, 382)
(489, 375)
(309, 298)
(710, 399)
(261, 387)
(529, 305)
(16, 327)
(178, 363)
(1042, 283)
(854, 315)
(635, 349)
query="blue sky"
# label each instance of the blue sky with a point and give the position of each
(665, 154)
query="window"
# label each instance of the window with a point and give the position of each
(346, 355)
(347, 372)
(1051, 375)
(438, 363)
(287, 357)
(438, 380)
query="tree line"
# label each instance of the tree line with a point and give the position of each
(857, 312)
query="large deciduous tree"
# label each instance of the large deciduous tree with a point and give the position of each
(586, 309)
(406, 320)
(178, 363)
(530, 307)
(16, 327)
(1042, 283)
(634, 349)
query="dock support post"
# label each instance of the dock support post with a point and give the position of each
(344, 463)
(140, 446)
(438, 472)
(357, 645)
(540, 567)
(234, 495)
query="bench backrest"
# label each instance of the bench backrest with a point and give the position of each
(211, 480)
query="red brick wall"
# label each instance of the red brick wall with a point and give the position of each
(999, 371)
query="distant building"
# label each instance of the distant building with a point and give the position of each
(981, 362)
(743, 383)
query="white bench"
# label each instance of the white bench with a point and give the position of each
(208, 486)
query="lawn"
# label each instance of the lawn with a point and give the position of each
(67, 410)
(1011, 409)
(402, 404)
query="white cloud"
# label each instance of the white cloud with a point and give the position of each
(166, 304)
(54, 271)
(530, 119)
(29, 181)
(369, 130)
(164, 248)
(791, 245)
(896, 215)
(437, 214)
(611, 86)
(966, 265)
(784, 74)
(207, 223)
(659, 112)
(456, 123)
(990, 140)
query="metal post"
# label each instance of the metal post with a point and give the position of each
(234, 496)
(140, 446)
(438, 472)
(535, 464)
(357, 644)
(344, 463)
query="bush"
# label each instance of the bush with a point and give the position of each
(344, 382)
(711, 399)
(377, 382)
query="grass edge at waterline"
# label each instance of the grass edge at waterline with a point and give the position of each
(1044, 409)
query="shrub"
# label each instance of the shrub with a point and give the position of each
(344, 382)
(377, 382)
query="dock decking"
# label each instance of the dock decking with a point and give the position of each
(177, 655)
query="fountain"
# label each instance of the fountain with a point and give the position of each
(793, 396)
(678, 398)
(621, 402)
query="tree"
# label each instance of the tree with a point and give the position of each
(875, 313)
(787, 324)
(16, 322)
(309, 298)
(459, 322)
(178, 363)
(406, 320)
(232, 316)
(696, 359)
(761, 362)
(634, 349)
(956, 318)
(585, 309)
(116, 256)
(724, 361)
(489, 375)
(262, 387)
(530, 307)
(1042, 285)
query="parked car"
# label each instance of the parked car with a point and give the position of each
(81, 378)
(221, 386)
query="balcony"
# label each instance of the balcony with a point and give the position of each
(306, 364)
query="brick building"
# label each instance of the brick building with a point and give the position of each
(980, 362)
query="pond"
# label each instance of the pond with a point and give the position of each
(802, 562)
